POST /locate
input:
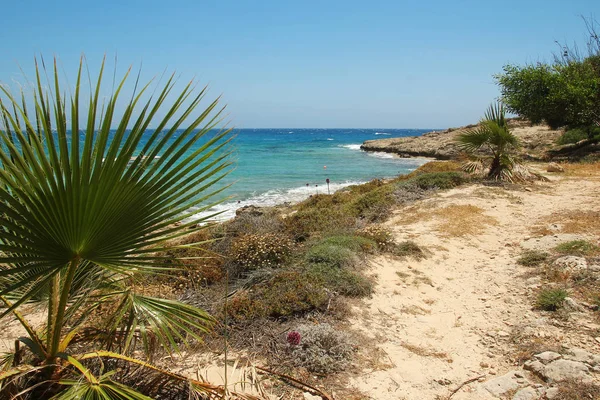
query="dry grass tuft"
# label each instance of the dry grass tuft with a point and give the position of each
(583, 169)
(526, 346)
(570, 221)
(576, 390)
(414, 310)
(426, 352)
(455, 219)
(419, 277)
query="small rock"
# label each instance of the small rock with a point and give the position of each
(572, 305)
(535, 366)
(571, 263)
(577, 354)
(551, 393)
(561, 370)
(501, 385)
(527, 393)
(594, 268)
(554, 167)
(443, 381)
(547, 356)
(251, 210)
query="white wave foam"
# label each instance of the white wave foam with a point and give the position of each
(383, 133)
(329, 138)
(271, 198)
(350, 146)
(379, 154)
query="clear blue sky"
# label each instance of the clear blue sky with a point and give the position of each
(397, 64)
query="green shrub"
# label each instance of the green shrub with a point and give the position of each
(578, 248)
(351, 242)
(354, 190)
(331, 255)
(572, 136)
(532, 258)
(322, 349)
(437, 180)
(340, 280)
(551, 299)
(436, 167)
(254, 221)
(373, 205)
(260, 251)
(286, 294)
(408, 249)
(383, 237)
(307, 221)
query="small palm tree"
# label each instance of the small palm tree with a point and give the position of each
(85, 211)
(491, 147)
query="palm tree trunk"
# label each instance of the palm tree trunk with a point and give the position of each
(495, 168)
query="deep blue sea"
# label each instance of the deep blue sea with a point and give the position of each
(273, 166)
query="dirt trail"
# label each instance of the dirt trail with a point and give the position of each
(448, 318)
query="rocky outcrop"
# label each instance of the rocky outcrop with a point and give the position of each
(574, 365)
(535, 140)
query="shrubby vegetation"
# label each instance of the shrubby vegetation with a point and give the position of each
(578, 248)
(532, 258)
(254, 251)
(322, 349)
(562, 93)
(551, 299)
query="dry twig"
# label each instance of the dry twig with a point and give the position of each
(463, 384)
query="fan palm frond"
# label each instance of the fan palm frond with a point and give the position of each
(84, 208)
(490, 146)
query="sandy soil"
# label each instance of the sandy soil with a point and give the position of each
(450, 317)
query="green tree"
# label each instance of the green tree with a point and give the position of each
(85, 211)
(564, 92)
(560, 94)
(491, 147)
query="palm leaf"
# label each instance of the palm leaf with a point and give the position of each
(168, 321)
(473, 139)
(75, 209)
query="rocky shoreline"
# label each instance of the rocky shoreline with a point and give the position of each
(537, 141)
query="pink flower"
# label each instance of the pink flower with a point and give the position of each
(293, 338)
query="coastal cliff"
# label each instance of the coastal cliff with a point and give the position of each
(536, 142)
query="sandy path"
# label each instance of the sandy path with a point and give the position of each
(440, 333)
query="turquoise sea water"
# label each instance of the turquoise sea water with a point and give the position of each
(273, 166)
